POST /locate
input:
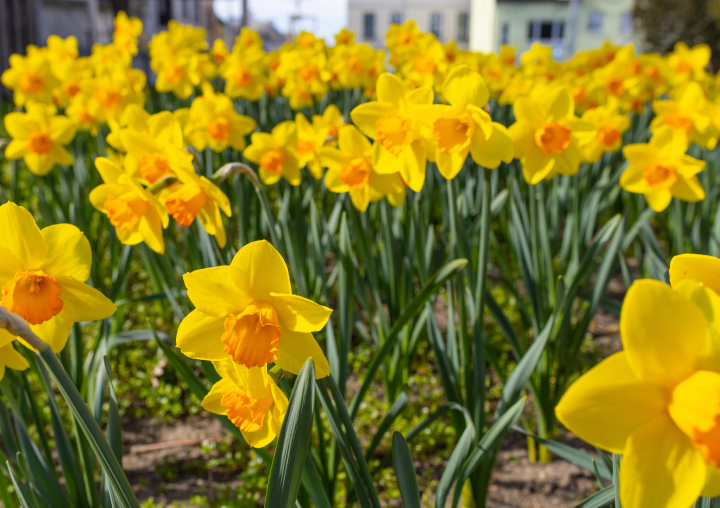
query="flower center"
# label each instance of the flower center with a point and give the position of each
(553, 138)
(425, 65)
(125, 211)
(32, 295)
(172, 73)
(252, 338)
(39, 142)
(185, 203)
(245, 412)
(242, 77)
(684, 67)
(608, 135)
(679, 122)
(356, 173)
(453, 134)
(308, 73)
(273, 161)
(107, 97)
(305, 146)
(333, 131)
(219, 129)
(355, 64)
(695, 409)
(406, 38)
(615, 86)
(72, 88)
(153, 167)
(659, 177)
(394, 132)
(30, 82)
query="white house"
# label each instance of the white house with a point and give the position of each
(484, 25)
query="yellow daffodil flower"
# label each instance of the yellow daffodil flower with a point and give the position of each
(463, 127)
(275, 154)
(392, 122)
(250, 399)
(212, 121)
(546, 134)
(43, 274)
(246, 312)
(245, 74)
(219, 51)
(687, 116)
(331, 122)
(196, 196)
(344, 36)
(657, 402)
(30, 78)
(351, 169)
(134, 212)
(9, 358)
(661, 170)
(688, 63)
(609, 127)
(38, 138)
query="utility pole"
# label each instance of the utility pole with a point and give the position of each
(244, 20)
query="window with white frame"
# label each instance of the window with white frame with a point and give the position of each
(546, 32)
(396, 18)
(505, 34)
(595, 22)
(369, 26)
(436, 24)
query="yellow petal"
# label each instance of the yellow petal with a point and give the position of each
(497, 148)
(199, 336)
(21, 236)
(660, 467)
(295, 348)
(360, 198)
(82, 302)
(464, 86)
(712, 482)
(300, 314)
(704, 269)
(390, 89)
(262, 437)
(688, 189)
(265, 268)
(353, 142)
(662, 332)
(211, 402)
(218, 291)
(11, 358)
(16, 149)
(608, 403)
(54, 332)
(69, 252)
(365, 116)
(658, 200)
(560, 104)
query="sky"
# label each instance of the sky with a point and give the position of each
(328, 16)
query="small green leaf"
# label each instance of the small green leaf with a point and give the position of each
(405, 471)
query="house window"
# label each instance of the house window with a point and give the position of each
(626, 23)
(396, 18)
(462, 32)
(547, 32)
(164, 12)
(369, 26)
(595, 23)
(435, 24)
(505, 34)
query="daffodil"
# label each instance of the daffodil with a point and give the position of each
(246, 312)
(609, 127)
(43, 274)
(463, 127)
(702, 269)
(351, 169)
(212, 121)
(275, 154)
(195, 196)
(250, 399)
(9, 358)
(245, 74)
(30, 78)
(661, 170)
(135, 213)
(657, 402)
(38, 138)
(688, 63)
(392, 122)
(546, 134)
(687, 116)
